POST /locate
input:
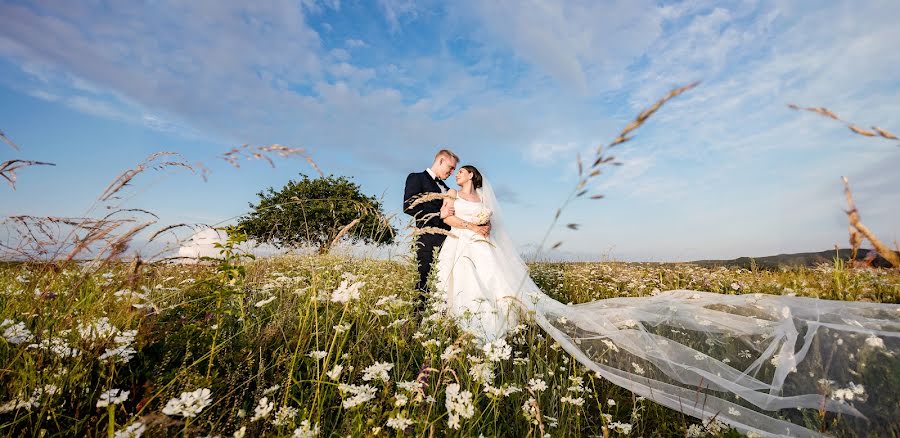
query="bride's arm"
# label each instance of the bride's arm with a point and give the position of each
(456, 222)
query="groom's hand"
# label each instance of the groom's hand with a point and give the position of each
(483, 230)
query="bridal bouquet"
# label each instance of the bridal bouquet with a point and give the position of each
(482, 217)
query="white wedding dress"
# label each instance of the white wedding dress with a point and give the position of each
(766, 364)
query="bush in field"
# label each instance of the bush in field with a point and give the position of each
(317, 212)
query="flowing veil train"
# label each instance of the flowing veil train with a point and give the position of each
(771, 365)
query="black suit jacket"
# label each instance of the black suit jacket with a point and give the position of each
(426, 214)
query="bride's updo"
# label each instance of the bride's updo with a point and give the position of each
(477, 180)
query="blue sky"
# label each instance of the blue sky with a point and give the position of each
(373, 89)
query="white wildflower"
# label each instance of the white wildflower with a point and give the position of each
(134, 430)
(733, 411)
(335, 372)
(189, 404)
(263, 408)
(240, 432)
(360, 394)
(611, 402)
(497, 350)
(459, 405)
(450, 352)
(307, 430)
(261, 303)
(271, 389)
(482, 372)
(537, 384)
(284, 416)
(577, 401)
(346, 292)
(341, 328)
(112, 397)
(399, 422)
(623, 428)
(317, 354)
(637, 368)
(378, 370)
(875, 342)
(400, 400)
(16, 333)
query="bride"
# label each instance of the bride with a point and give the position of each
(765, 364)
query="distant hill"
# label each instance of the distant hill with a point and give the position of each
(803, 259)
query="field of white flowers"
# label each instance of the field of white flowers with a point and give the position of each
(326, 346)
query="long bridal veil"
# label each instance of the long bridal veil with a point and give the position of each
(770, 365)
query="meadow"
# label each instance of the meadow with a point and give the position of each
(328, 346)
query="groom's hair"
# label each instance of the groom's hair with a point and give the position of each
(446, 153)
(477, 180)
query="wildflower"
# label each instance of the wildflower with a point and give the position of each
(271, 389)
(112, 397)
(410, 386)
(398, 323)
(637, 368)
(623, 428)
(537, 384)
(360, 394)
(482, 372)
(378, 370)
(189, 404)
(875, 342)
(284, 416)
(346, 292)
(577, 401)
(335, 372)
(307, 430)
(16, 333)
(694, 431)
(341, 328)
(263, 408)
(261, 303)
(317, 354)
(611, 402)
(134, 430)
(459, 404)
(400, 400)
(450, 352)
(733, 411)
(240, 432)
(497, 350)
(609, 344)
(399, 422)
(530, 410)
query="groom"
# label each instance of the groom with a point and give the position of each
(429, 214)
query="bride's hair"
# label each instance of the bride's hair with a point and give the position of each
(477, 180)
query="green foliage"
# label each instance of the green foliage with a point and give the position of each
(316, 212)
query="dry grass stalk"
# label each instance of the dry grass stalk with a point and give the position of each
(601, 159)
(432, 230)
(644, 115)
(344, 230)
(125, 177)
(857, 226)
(8, 141)
(8, 169)
(427, 197)
(825, 112)
(260, 153)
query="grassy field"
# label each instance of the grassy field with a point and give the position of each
(307, 345)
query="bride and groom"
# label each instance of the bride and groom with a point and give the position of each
(765, 364)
